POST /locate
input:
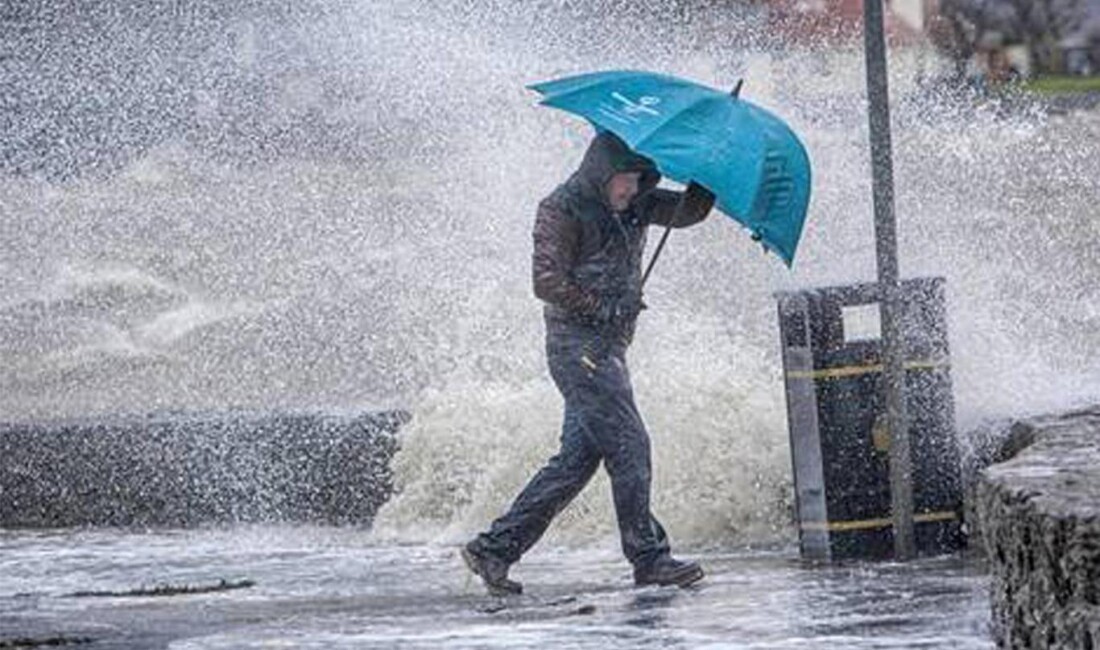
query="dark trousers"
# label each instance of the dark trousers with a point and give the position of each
(601, 422)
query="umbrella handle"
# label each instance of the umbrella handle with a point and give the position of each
(653, 260)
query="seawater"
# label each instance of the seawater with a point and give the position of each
(329, 208)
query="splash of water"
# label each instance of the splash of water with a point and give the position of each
(331, 209)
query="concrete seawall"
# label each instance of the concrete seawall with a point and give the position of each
(1037, 517)
(186, 470)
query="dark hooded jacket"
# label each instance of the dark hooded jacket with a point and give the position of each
(586, 256)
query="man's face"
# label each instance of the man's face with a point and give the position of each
(621, 190)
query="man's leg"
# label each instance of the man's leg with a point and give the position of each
(545, 495)
(612, 418)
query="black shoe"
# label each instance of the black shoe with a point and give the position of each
(668, 571)
(493, 572)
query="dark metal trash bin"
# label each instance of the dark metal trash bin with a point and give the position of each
(837, 417)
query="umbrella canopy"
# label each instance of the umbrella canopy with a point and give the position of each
(749, 158)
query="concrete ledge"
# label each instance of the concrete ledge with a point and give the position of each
(1039, 518)
(185, 470)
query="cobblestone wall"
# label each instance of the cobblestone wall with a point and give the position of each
(184, 470)
(1039, 520)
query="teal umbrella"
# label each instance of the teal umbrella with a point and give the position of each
(749, 158)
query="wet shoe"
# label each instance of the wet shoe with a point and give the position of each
(493, 572)
(666, 570)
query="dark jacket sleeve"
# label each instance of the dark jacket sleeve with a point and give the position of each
(677, 209)
(557, 243)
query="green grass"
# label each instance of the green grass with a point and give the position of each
(1057, 85)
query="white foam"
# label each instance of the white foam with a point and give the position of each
(402, 278)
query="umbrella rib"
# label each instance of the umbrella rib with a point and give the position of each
(598, 80)
(547, 95)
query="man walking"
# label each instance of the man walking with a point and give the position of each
(589, 237)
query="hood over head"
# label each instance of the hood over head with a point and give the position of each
(608, 155)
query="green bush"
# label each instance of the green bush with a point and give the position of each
(1056, 85)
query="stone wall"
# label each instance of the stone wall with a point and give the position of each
(185, 470)
(1038, 515)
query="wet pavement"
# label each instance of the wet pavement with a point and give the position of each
(337, 588)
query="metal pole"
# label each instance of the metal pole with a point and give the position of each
(653, 260)
(886, 249)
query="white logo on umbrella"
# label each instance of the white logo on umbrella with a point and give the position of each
(629, 111)
(644, 104)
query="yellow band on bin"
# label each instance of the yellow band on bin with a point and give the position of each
(854, 371)
(867, 524)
